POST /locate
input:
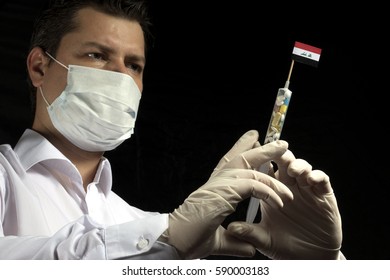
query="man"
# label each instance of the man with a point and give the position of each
(86, 65)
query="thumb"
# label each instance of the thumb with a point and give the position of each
(252, 233)
(231, 246)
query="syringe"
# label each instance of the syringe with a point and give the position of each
(274, 131)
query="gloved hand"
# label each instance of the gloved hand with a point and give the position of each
(195, 227)
(308, 227)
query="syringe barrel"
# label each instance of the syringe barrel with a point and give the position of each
(274, 130)
(278, 115)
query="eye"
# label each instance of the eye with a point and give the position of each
(134, 67)
(97, 56)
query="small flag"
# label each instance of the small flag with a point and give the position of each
(306, 54)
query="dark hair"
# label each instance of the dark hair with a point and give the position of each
(58, 20)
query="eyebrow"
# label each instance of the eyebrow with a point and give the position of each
(107, 49)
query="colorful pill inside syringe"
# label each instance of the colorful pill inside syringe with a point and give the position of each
(278, 115)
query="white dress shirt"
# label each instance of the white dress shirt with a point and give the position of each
(45, 212)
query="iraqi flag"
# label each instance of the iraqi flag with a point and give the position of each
(306, 54)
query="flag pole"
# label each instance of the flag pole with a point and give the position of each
(286, 85)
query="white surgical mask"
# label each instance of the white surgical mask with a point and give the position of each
(97, 109)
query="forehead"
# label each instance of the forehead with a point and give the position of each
(116, 32)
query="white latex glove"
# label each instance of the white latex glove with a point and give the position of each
(195, 227)
(308, 227)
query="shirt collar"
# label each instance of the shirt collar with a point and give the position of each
(103, 177)
(32, 148)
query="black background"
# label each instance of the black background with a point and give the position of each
(214, 73)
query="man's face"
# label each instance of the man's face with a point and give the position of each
(103, 42)
(100, 41)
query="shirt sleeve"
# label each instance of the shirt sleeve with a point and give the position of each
(85, 240)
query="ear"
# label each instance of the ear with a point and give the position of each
(37, 63)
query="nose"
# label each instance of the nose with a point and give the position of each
(120, 67)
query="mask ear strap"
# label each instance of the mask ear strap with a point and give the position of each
(40, 88)
(60, 63)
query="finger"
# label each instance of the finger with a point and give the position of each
(251, 233)
(249, 183)
(229, 245)
(267, 167)
(282, 165)
(281, 189)
(254, 158)
(246, 142)
(300, 169)
(321, 182)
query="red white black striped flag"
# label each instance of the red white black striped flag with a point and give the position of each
(306, 54)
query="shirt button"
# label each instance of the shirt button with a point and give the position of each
(142, 243)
